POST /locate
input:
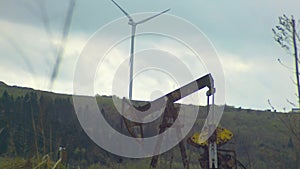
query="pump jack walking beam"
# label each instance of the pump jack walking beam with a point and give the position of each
(188, 89)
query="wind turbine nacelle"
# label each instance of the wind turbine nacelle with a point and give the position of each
(130, 22)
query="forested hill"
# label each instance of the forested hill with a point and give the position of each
(34, 123)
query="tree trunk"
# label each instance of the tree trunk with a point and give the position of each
(296, 58)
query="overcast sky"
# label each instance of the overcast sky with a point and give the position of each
(240, 31)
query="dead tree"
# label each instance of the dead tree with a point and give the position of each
(286, 35)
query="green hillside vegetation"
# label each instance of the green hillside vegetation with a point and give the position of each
(34, 124)
(16, 91)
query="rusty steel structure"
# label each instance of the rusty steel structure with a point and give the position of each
(213, 157)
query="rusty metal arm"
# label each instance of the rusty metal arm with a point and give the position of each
(188, 89)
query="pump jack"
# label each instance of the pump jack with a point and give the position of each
(210, 159)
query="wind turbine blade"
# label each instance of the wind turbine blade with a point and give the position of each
(128, 16)
(147, 19)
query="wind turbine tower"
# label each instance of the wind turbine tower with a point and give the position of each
(133, 25)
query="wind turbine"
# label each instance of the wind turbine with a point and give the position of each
(133, 30)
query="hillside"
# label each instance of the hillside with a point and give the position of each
(34, 123)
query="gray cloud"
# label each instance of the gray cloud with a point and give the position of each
(240, 31)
